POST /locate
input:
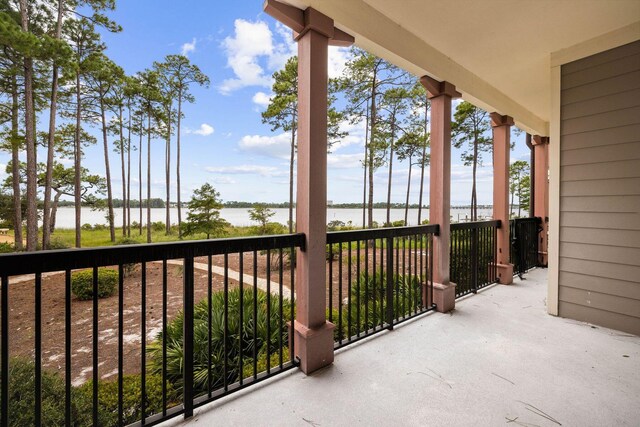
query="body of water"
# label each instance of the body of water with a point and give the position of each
(240, 217)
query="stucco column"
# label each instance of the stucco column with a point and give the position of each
(441, 94)
(312, 333)
(541, 196)
(501, 149)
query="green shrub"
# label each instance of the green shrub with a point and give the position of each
(261, 365)
(82, 283)
(399, 223)
(99, 227)
(235, 333)
(6, 248)
(86, 227)
(57, 243)
(131, 398)
(158, 226)
(22, 397)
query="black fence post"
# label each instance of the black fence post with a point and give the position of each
(474, 259)
(389, 290)
(188, 336)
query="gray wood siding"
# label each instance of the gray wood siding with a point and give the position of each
(599, 280)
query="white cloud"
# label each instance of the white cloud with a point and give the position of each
(266, 171)
(344, 161)
(250, 41)
(204, 130)
(261, 99)
(355, 135)
(277, 146)
(187, 48)
(223, 180)
(3, 173)
(338, 57)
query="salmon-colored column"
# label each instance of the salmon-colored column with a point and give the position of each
(501, 150)
(312, 333)
(541, 196)
(441, 94)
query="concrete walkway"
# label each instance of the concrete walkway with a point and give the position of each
(497, 359)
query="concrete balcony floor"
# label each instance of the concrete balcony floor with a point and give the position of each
(497, 359)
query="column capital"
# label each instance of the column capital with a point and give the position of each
(498, 120)
(436, 88)
(539, 140)
(303, 21)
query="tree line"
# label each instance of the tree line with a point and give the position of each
(54, 68)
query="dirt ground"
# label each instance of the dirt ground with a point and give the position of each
(22, 302)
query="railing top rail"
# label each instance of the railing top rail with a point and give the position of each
(476, 224)
(70, 259)
(380, 233)
(535, 219)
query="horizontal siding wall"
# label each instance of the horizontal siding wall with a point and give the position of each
(599, 279)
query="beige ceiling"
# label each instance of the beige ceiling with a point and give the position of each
(497, 52)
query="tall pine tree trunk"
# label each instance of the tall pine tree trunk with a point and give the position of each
(129, 173)
(77, 155)
(406, 204)
(140, 176)
(46, 215)
(372, 153)
(474, 200)
(149, 177)
(423, 162)
(105, 144)
(390, 175)
(178, 163)
(364, 173)
(30, 141)
(54, 211)
(15, 166)
(124, 177)
(167, 171)
(291, 161)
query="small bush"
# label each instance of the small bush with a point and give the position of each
(335, 225)
(399, 223)
(22, 397)
(158, 226)
(6, 248)
(99, 227)
(57, 243)
(135, 224)
(261, 365)
(87, 227)
(131, 398)
(82, 283)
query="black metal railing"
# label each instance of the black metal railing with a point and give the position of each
(187, 323)
(472, 255)
(523, 252)
(378, 278)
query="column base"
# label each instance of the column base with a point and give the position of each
(313, 347)
(505, 273)
(444, 296)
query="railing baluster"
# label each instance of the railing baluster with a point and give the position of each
(225, 315)
(121, 343)
(95, 346)
(209, 310)
(67, 347)
(330, 282)
(164, 337)
(240, 315)
(188, 310)
(269, 311)
(255, 315)
(4, 405)
(280, 303)
(38, 349)
(390, 284)
(143, 344)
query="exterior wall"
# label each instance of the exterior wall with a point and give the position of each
(599, 233)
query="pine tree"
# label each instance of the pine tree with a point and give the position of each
(470, 130)
(204, 213)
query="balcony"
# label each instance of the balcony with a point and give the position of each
(497, 359)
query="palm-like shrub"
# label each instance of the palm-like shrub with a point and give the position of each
(238, 339)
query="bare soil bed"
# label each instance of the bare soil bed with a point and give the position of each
(22, 303)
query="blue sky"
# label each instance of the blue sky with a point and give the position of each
(224, 142)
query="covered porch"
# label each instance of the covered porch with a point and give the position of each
(498, 358)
